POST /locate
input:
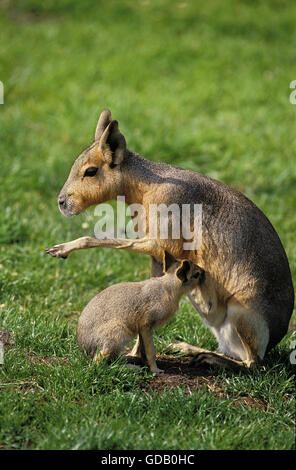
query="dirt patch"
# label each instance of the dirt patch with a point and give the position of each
(24, 386)
(47, 360)
(25, 14)
(178, 373)
(7, 338)
(251, 402)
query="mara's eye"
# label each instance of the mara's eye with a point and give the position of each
(91, 171)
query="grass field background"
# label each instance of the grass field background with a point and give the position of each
(203, 85)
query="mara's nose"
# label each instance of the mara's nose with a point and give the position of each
(61, 201)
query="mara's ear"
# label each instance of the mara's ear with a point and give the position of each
(168, 261)
(183, 271)
(198, 273)
(112, 144)
(104, 120)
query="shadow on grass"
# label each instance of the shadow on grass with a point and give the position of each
(178, 373)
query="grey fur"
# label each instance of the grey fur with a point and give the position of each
(122, 311)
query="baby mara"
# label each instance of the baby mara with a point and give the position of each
(122, 311)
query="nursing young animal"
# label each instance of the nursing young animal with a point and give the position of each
(122, 311)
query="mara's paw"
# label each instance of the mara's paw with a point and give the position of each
(184, 348)
(203, 359)
(215, 359)
(58, 251)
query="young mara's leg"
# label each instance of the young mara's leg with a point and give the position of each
(141, 245)
(100, 355)
(112, 339)
(147, 336)
(139, 349)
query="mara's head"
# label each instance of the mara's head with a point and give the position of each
(188, 274)
(95, 176)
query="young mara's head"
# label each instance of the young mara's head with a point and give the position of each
(189, 275)
(95, 176)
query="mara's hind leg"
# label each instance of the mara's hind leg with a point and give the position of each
(138, 349)
(103, 355)
(205, 356)
(243, 338)
(186, 348)
(111, 342)
(110, 351)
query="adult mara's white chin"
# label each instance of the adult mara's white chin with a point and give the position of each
(67, 211)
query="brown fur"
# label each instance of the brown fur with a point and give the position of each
(247, 270)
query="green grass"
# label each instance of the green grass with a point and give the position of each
(203, 85)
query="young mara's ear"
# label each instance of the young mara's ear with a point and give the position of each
(112, 144)
(168, 260)
(104, 120)
(183, 271)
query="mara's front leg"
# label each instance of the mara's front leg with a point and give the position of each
(147, 338)
(142, 245)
